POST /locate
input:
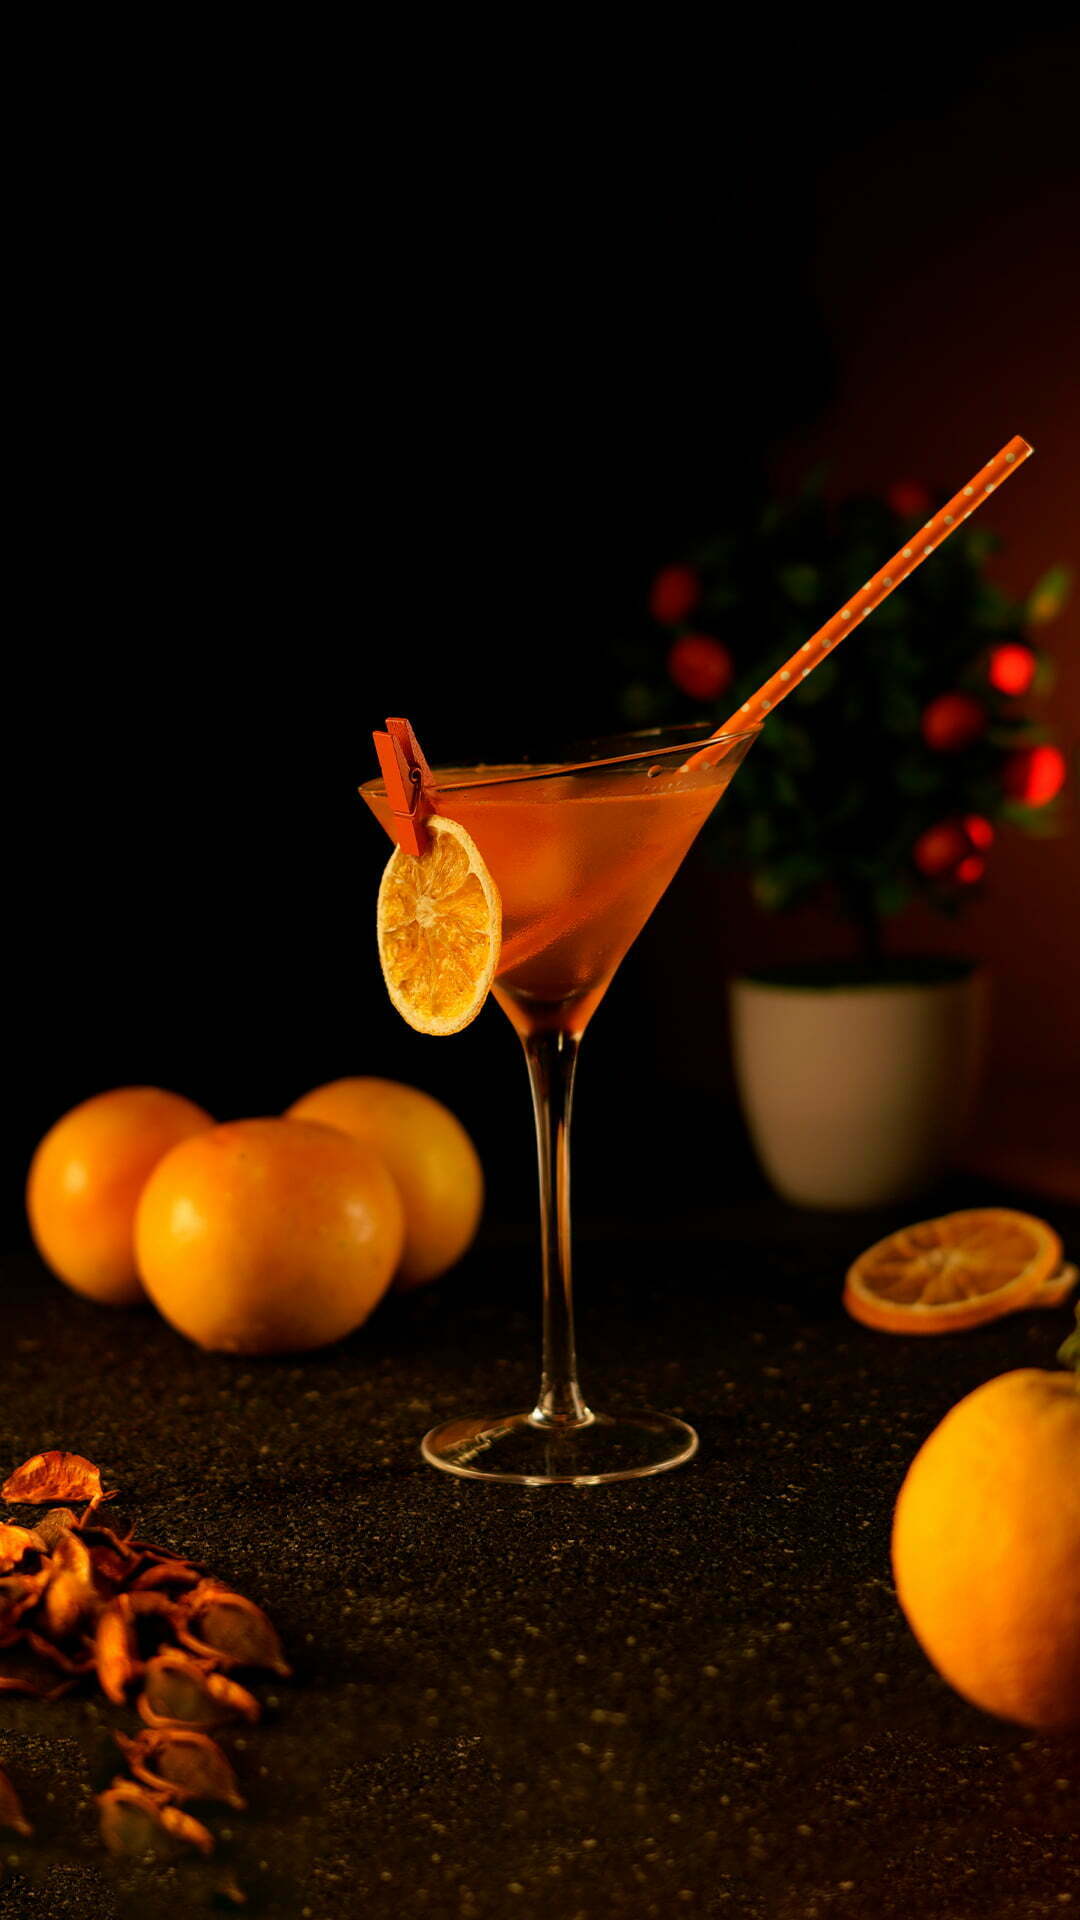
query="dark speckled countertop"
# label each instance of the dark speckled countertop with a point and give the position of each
(689, 1695)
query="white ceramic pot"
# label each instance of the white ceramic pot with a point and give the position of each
(857, 1095)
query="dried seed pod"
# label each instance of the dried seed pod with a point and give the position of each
(177, 1687)
(19, 1683)
(151, 1551)
(116, 1652)
(72, 1555)
(54, 1523)
(49, 1477)
(70, 1593)
(154, 1623)
(143, 1603)
(166, 1573)
(112, 1559)
(11, 1813)
(229, 1629)
(15, 1683)
(58, 1692)
(18, 1593)
(182, 1762)
(97, 1536)
(65, 1604)
(135, 1821)
(15, 1542)
(56, 1656)
(109, 1569)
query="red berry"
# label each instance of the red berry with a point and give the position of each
(909, 499)
(700, 666)
(674, 593)
(941, 849)
(979, 831)
(1012, 668)
(971, 868)
(1034, 775)
(952, 722)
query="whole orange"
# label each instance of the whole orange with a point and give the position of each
(268, 1236)
(85, 1180)
(986, 1547)
(434, 1163)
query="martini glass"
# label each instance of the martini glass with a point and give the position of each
(581, 850)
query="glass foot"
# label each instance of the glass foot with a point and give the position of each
(534, 1453)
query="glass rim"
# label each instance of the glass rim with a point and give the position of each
(522, 771)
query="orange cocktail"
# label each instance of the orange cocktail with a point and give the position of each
(580, 863)
(578, 853)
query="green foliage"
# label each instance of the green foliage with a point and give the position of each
(841, 785)
(1046, 600)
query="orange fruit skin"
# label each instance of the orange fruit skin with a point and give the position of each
(433, 1162)
(85, 1180)
(268, 1236)
(986, 1548)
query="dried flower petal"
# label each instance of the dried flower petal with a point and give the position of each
(134, 1821)
(17, 1541)
(229, 1629)
(49, 1477)
(11, 1813)
(178, 1688)
(116, 1653)
(183, 1762)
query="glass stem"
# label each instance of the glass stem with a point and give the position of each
(552, 1058)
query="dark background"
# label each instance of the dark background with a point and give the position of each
(386, 387)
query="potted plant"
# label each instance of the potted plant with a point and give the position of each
(886, 776)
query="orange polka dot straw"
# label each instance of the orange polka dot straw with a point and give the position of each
(794, 671)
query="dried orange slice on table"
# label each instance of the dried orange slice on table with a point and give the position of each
(1057, 1288)
(440, 930)
(957, 1271)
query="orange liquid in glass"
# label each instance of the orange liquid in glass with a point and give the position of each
(580, 861)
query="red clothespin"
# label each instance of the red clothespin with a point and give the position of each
(409, 784)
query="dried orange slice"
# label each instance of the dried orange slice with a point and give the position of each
(440, 930)
(1057, 1289)
(954, 1272)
